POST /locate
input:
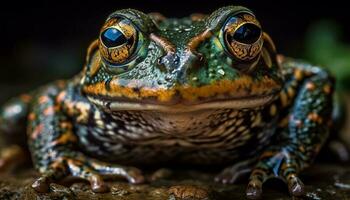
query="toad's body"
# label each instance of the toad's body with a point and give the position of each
(199, 90)
(203, 137)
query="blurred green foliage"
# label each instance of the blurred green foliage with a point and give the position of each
(324, 46)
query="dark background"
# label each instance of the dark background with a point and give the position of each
(45, 41)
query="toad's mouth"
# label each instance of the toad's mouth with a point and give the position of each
(179, 106)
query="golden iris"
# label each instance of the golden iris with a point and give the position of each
(118, 40)
(242, 36)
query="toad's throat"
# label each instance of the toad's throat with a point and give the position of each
(179, 106)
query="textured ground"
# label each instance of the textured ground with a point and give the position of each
(324, 181)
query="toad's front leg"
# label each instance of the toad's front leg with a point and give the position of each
(53, 144)
(300, 140)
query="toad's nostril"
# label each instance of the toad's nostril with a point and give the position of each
(170, 61)
(189, 63)
(200, 57)
(195, 61)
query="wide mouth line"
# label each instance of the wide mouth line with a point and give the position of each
(117, 104)
(175, 101)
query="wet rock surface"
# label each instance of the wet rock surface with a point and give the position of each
(323, 181)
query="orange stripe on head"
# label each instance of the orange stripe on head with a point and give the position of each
(164, 43)
(237, 88)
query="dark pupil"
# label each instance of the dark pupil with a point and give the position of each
(247, 33)
(113, 37)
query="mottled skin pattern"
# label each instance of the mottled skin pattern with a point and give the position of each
(177, 91)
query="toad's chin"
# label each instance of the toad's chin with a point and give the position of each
(178, 106)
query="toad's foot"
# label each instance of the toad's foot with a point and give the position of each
(90, 170)
(280, 165)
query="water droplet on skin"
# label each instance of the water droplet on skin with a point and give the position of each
(143, 67)
(221, 72)
(168, 77)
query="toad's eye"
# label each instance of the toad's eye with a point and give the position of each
(113, 37)
(118, 42)
(242, 37)
(247, 34)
